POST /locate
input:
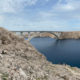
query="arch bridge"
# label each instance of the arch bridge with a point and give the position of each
(45, 34)
(33, 34)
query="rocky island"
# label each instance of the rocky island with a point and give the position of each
(19, 60)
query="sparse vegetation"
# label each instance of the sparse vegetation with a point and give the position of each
(4, 76)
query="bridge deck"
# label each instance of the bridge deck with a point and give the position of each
(29, 34)
(35, 31)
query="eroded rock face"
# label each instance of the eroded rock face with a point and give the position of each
(19, 60)
(70, 35)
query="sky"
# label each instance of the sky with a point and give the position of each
(40, 15)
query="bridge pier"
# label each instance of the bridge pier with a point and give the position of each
(21, 33)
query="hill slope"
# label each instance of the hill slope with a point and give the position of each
(19, 60)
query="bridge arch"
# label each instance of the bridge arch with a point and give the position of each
(44, 34)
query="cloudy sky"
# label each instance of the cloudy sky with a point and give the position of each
(56, 15)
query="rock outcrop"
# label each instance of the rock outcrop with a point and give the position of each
(19, 60)
(70, 35)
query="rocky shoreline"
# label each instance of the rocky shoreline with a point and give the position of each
(19, 60)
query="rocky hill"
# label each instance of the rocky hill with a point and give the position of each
(70, 35)
(19, 60)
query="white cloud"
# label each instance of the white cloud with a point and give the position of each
(69, 9)
(47, 0)
(63, 15)
(63, 7)
(12, 6)
(7, 7)
(1, 19)
(31, 2)
(44, 14)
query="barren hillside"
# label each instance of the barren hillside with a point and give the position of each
(19, 60)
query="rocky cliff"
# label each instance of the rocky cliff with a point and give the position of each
(70, 35)
(19, 60)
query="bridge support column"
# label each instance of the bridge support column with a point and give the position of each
(21, 33)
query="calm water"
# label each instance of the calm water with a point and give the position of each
(59, 51)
